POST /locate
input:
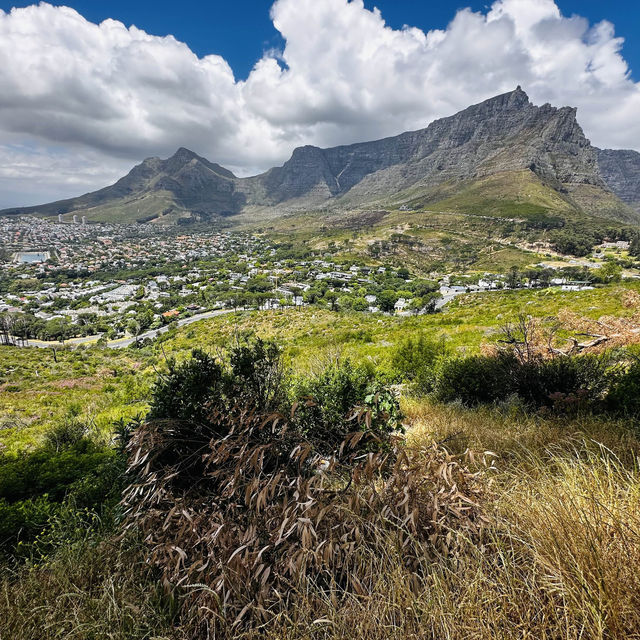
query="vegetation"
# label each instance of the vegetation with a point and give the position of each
(276, 487)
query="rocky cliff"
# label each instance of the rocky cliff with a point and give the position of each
(621, 171)
(504, 133)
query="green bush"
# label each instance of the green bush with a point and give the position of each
(185, 391)
(415, 358)
(23, 520)
(257, 375)
(48, 472)
(475, 380)
(66, 435)
(624, 395)
(564, 382)
(329, 404)
(35, 486)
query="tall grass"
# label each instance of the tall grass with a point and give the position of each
(558, 560)
(89, 591)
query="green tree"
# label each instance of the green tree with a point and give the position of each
(387, 300)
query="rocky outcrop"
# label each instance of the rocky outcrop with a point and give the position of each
(621, 171)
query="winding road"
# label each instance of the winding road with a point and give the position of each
(121, 343)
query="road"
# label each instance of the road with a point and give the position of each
(121, 343)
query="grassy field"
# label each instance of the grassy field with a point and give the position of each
(39, 389)
(558, 556)
(558, 496)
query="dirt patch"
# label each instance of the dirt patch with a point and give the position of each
(360, 220)
(75, 383)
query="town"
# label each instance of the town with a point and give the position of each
(62, 281)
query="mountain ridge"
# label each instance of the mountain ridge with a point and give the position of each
(503, 134)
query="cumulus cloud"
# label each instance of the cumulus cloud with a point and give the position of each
(79, 102)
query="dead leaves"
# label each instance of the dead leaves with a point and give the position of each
(268, 514)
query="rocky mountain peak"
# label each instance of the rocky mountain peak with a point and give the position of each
(183, 155)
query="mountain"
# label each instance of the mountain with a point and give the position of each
(184, 183)
(503, 156)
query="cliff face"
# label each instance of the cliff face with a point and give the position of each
(621, 172)
(504, 133)
(497, 137)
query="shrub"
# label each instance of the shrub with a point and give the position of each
(35, 487)
(46, 472)
(23, 520)
(565, 382)
(183, 393)
(475, 380)
(66, 435)
(270, 514)
(624, 395)
(415, 358)
(257, 374)
(330, 401)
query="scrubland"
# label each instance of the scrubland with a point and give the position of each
(524, 521)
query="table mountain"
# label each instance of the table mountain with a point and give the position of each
(504, 154)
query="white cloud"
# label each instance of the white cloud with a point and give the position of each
(80, 101)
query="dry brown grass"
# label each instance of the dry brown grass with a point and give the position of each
(558, 561)
(514, 433)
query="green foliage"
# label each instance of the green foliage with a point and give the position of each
(185, 391)
(387, 299)
(414, 359)
(329, 402)
(563, 383)
(474, 380)
(256, 374)
(576, 240)
(67, 434)
(49, 472)
(624, 395)
(23, 520)
(39, 486)
(609, 272)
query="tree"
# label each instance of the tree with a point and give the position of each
(360, 304)
(609, 272)
(387, 300)
(634, 245)
(513, 278)
(332, 298)
(133, 327)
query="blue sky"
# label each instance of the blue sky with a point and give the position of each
(82, 100)
(240, 30)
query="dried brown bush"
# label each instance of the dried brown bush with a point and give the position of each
(570, 333)
(244, 523)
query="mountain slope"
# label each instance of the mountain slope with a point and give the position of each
(505, 150)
